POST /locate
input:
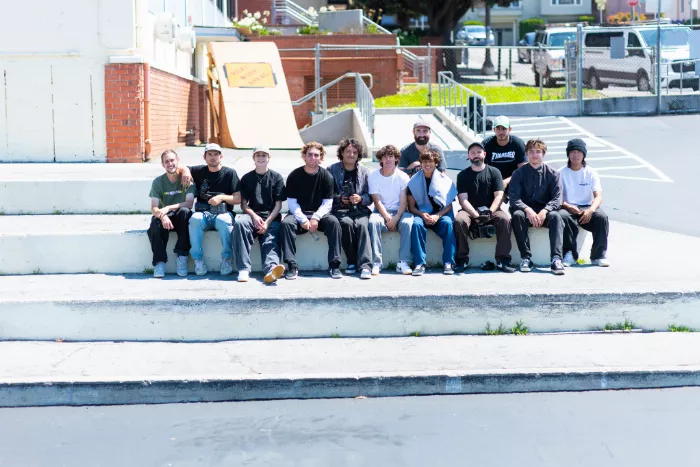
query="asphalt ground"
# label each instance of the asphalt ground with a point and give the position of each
(613, 428)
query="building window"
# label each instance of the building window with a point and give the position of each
(566, 2)
(220, 5)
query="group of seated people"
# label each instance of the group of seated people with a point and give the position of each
(352, 205)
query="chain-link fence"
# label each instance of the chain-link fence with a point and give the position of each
(566, 63)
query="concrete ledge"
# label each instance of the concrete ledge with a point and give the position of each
(42, 374)
(119, 244)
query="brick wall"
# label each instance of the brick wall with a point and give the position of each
(176, 111)
(124, 112)
(299, 67)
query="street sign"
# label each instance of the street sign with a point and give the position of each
(633, 2)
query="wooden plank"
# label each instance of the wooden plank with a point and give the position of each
(29, 110)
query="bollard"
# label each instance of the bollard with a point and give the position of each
(498, 73)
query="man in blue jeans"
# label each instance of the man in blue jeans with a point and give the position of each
(217, 192)
(430, 197)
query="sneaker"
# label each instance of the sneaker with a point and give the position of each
(226, 266)
(243, 275)
(292, 272)
(419, 270)
(376, 269)
(557, 268)
(448, 269)
(602, 262)
(159, 270)
(488, 266)
(568, 259)
(366, 273)
(335, 273)
(181, 266)
(351, 269)
(504, 266)
(403, 268)
(274, 274)
(526, 265)
(461, 266)
(199, 267)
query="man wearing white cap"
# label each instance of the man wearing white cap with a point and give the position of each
(504, 151)
(409, 162)
(217, 192)
(262, 193)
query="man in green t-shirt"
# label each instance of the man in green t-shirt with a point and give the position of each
(170, 205)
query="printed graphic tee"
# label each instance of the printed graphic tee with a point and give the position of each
(579, 185)
(169, 193)
(505, 158)
(225, 181)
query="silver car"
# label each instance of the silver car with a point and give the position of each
(525, 55)
(474, 35)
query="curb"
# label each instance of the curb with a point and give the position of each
(225, 390)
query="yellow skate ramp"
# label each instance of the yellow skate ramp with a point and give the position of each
(254, 105)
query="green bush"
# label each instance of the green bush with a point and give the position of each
(530, 25)
(309, 30)
(586, 19)
(472, 22)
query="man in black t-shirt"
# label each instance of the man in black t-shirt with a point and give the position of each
(410, 153)
(262, 193)
(310, 199)
(217, 192)
(480, 189)
(504, 151)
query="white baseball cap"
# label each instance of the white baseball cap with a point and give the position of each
(212, 147)
(261, 148)
(501, 120)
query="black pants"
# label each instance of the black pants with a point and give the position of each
(354, 233)
(553, 222)
(598, 226)
(290, 228)
(158, 236)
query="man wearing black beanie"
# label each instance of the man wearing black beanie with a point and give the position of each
(582, 197)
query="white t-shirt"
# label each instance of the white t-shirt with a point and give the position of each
(579, 185)
(388, 188)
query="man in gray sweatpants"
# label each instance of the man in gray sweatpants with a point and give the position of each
(387, 187)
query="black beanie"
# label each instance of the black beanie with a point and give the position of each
(575, 144)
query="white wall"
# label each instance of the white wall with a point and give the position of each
(52, 105)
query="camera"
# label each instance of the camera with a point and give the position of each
(347, 191)
(478, 229)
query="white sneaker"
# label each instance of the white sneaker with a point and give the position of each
(366, 273)
(200, 268)
(602, 262)
(568, 259)
(403, 268)
(243, 275)
(181, 266)
(226, 266)
(159, 270)
(376, 269)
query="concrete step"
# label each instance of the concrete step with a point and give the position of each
(88, 307)
(42, 374)
(119, 244)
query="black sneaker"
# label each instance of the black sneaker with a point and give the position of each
(351, 269)
(505, 266)
(526, 265)
(488, 266)
(461, 266)
(292, 272)
(557, 267)
(335, 273)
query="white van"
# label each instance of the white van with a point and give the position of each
(637, 66)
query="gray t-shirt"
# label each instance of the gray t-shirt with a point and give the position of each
(410, 153)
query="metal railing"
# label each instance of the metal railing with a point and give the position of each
(366, 22)
(365, 104)
(322, 93)
(466, 106)
(284, 10)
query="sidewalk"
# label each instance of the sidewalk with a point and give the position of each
(33, 373)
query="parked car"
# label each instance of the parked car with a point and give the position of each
(525, 55)
(474, 35)
(548, 63)
(637, 67)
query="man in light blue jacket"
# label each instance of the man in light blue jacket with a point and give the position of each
(430, 197)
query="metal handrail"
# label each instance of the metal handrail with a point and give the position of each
(368, 22)
(322, 91)
(295, 11)
(365, 105)
(451, 97)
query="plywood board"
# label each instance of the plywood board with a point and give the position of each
(257, 114)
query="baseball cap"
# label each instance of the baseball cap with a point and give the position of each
(476, 143)
(423, 123)
(501, 120)
(261, 148)
(212, 147)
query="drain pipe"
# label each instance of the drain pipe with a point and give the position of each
(147, 110)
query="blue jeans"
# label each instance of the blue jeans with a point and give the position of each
(443, 229)
(244, 237)
(200, 222)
